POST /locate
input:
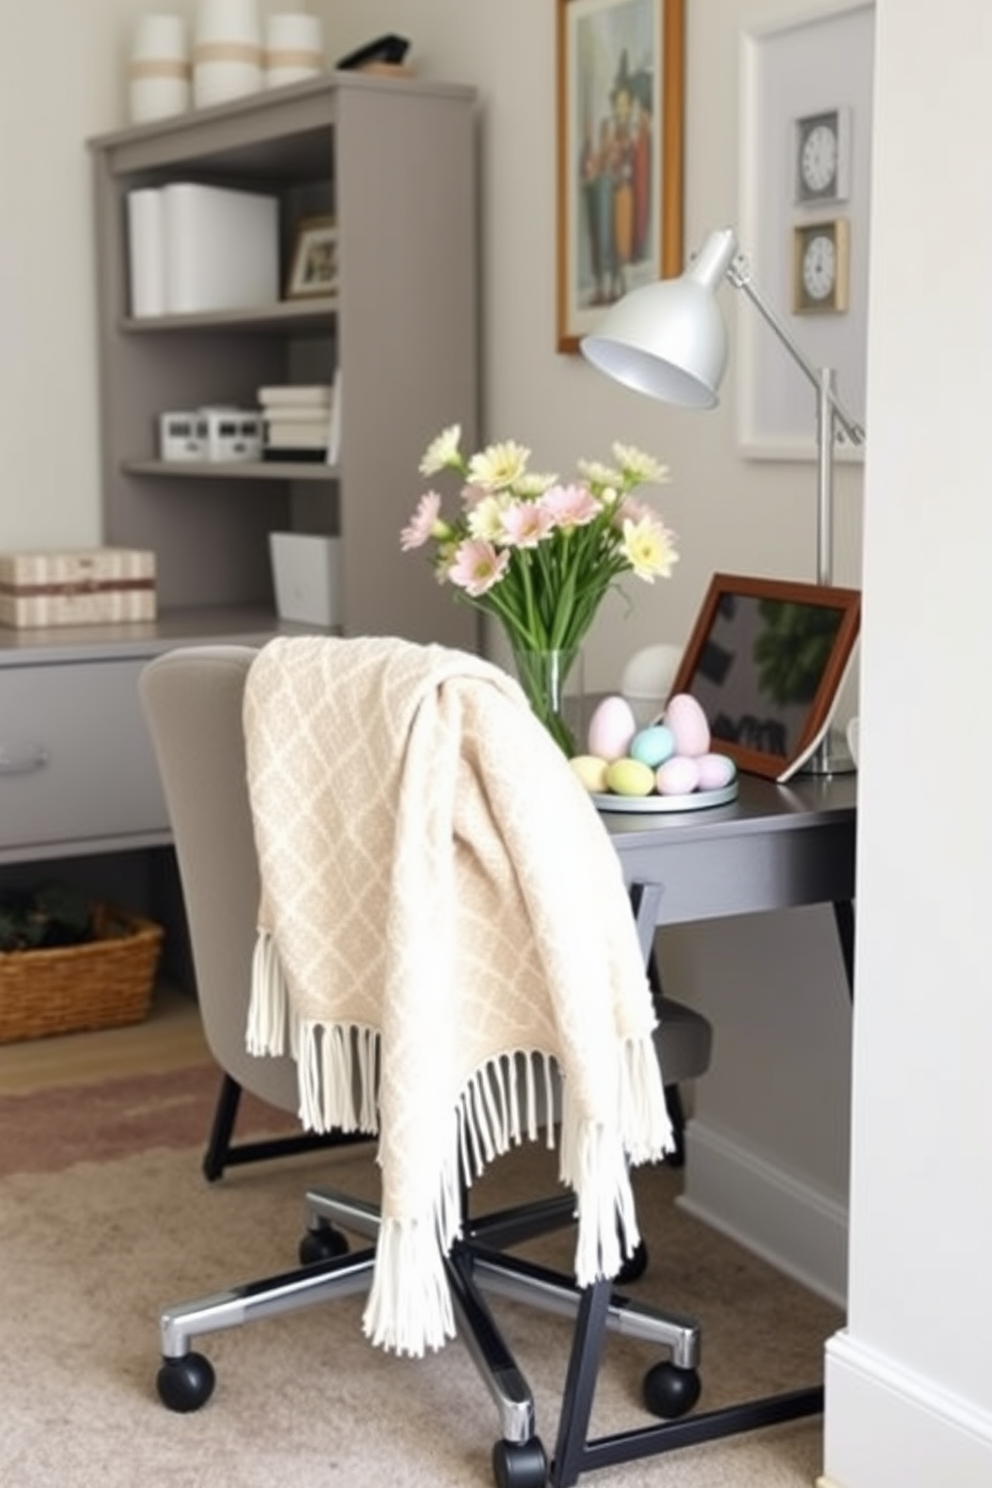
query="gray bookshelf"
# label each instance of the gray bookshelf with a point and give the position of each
(394, 160)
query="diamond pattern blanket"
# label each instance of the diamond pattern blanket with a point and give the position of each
(443, 921)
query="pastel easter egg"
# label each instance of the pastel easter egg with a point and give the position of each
(591, 771)
(678, 776)
(629, 777)
(715, 771)
(652, 745)
(611, 728)
(687, 721)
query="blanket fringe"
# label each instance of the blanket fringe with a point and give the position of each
(507, 1099)
(409, 1308)
(268, 1008)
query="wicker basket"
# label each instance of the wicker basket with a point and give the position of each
(102, 983)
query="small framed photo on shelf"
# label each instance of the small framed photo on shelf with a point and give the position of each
(821, 267)
(314, 266)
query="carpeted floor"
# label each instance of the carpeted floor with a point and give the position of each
(104, 1219)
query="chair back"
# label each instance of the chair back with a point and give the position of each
(192, 699)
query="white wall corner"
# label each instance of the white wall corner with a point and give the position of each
(795, 1227)
(887, 1427)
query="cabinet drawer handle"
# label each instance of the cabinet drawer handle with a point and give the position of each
(19, 759)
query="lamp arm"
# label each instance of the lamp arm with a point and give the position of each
(739, 274)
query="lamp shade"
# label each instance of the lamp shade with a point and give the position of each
(668, 339)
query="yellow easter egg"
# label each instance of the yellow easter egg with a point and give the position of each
(630, 777)
(591, 771)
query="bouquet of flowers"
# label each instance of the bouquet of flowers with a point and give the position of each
(540, 553)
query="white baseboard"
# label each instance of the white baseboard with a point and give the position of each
(889, 1428)
(798, 1229)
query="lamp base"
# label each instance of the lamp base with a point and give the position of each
(830, 757)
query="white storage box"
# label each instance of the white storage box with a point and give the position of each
(198, 248)
(232, 434)
(305, 571)
(182, 435)
(82, 586)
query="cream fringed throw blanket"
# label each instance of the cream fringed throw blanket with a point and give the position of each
(440, 899)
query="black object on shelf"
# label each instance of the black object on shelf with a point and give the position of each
(391, 49)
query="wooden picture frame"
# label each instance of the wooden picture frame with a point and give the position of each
(313, 268)
(620, 124)
(765, 660)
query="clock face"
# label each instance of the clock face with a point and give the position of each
(818, 158)
(820, 267)
(821, 158)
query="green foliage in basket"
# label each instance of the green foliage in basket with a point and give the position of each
(39, 918)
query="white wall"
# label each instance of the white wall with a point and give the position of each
(910, 1384)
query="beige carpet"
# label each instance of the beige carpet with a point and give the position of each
(92, 1247)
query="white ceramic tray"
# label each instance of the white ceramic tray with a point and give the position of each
(654, 805)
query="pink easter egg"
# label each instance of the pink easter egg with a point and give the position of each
(688, 724)
(611, 728)
(678, 776)
(715, 771)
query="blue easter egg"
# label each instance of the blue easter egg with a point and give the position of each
(653, 745)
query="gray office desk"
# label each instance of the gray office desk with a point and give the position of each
(775, 847)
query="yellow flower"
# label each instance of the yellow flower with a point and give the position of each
(498, 465)
(648, 547)
(442, 452)
(638, 468)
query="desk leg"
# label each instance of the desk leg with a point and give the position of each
(844, 920)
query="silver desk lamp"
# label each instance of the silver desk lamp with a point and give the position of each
(669, 340)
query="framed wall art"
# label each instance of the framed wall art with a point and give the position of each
(620, 95)
(805, 164)
(765, 661)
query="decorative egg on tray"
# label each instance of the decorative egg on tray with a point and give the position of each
(667, 765)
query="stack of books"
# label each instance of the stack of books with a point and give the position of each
(297, 421)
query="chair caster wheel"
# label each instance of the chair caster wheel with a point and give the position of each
(520, 1464)
(670, 1391)
(322, 1244)
(186, 1384)
(634, 1266)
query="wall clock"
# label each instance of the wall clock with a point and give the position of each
(821, 257)
(822, 158)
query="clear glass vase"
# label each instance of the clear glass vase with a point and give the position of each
(543, 675)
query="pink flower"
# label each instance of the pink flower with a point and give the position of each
(571, 506)
(525, 523)
(423, 524)
(476, 567)
(630, 509)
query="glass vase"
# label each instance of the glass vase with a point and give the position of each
(542, 675)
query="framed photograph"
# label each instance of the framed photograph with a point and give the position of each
(313, 269)
(621, 83)
(805, 131)
(765, 660)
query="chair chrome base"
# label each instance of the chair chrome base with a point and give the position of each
(476, 1265)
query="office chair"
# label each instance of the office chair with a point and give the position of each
(192, 698)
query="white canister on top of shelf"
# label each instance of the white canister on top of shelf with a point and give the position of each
(227, 51)
(294, 48)
(159, 68)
